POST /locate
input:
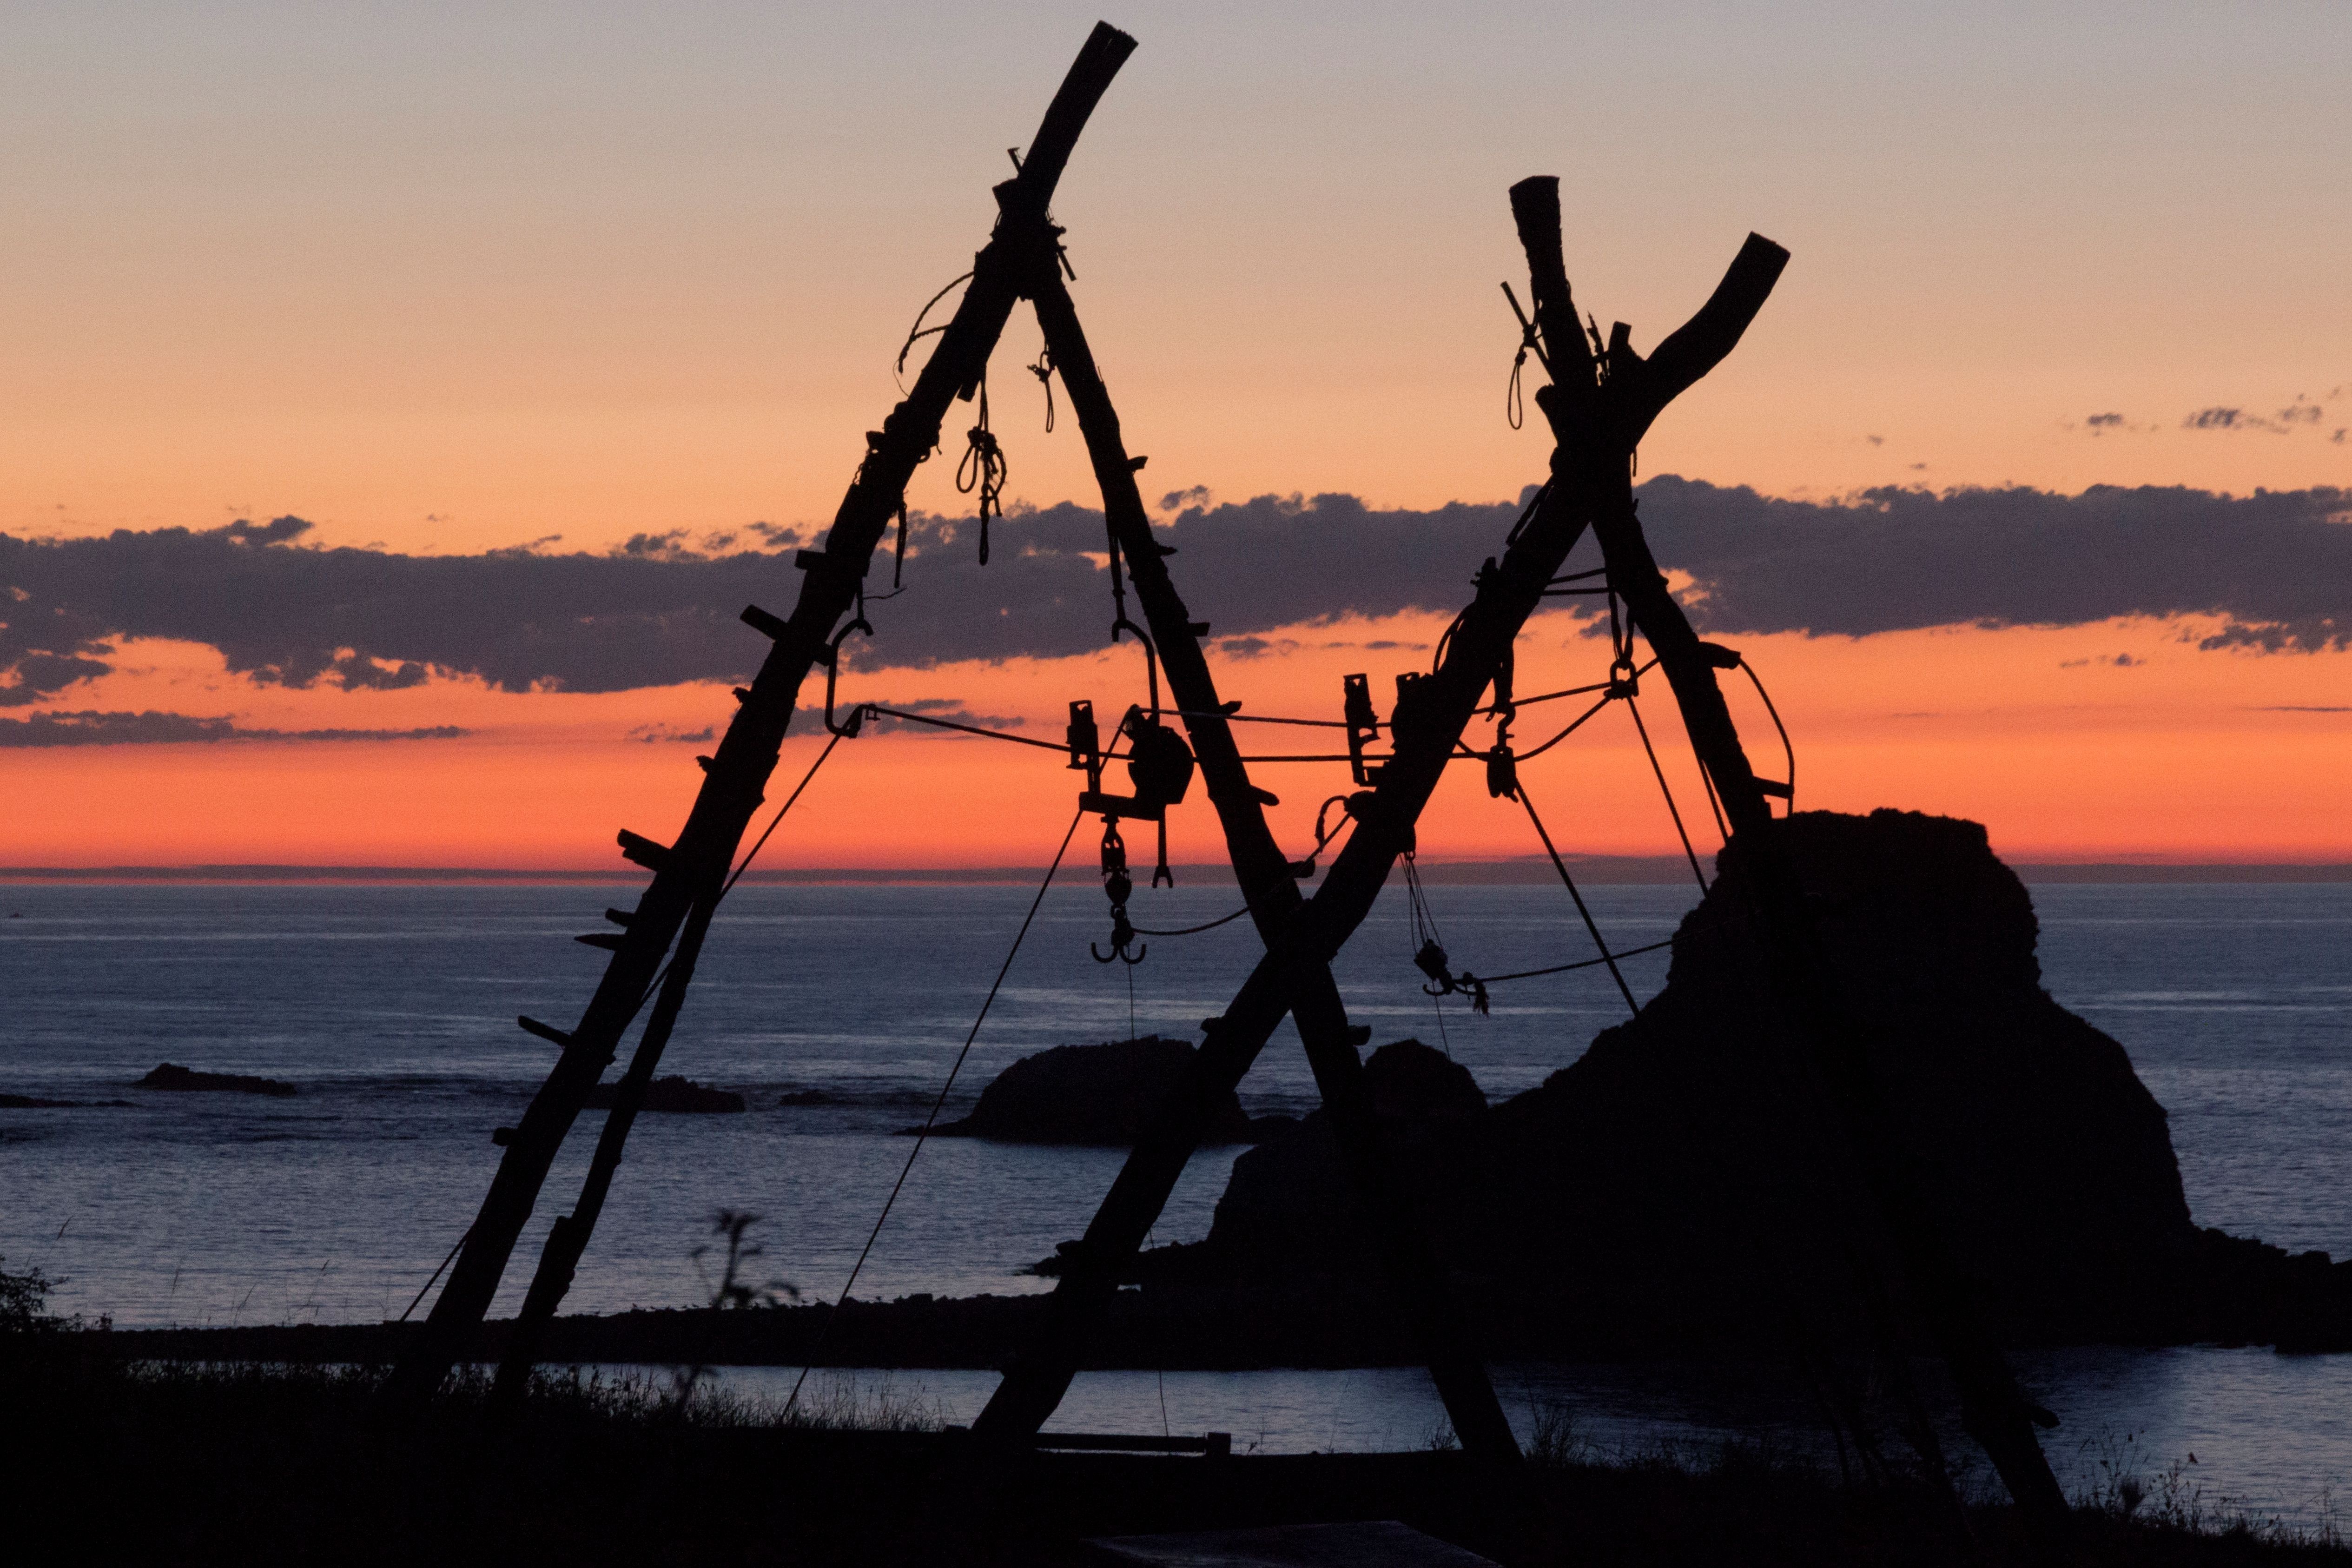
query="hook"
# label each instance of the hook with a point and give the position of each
(1433, 962)
(1150, 654)
(832, 674)
(1119, 887)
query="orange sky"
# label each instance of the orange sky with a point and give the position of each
(459, 278)
(2064, 753)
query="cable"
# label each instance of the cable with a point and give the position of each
(878, 711)
(1528, 756)
(1672, 810)
(1570, 883)
(1580, 964)
(761, 842)
(428, 1284)
(1611, 687)
(1787, 747)
(1195, 930)
(929, 1122)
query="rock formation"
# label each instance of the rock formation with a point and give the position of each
(188, 1081)
(1089, 1094)
(1681, 1182)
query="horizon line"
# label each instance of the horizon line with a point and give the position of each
(1628, 871)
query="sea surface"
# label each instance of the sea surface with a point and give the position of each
(392, 1009)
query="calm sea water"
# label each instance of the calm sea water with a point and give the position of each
(392, 1009)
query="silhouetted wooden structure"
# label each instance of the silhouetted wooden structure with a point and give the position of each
(1599, 405)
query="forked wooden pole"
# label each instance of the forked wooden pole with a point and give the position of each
(1271, 891)
(1598, 421)
(737, 773)
(1431, 716)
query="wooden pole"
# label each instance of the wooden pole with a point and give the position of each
(1601, 422)
(737, 773)
(1432, 713)
(559, 1259)
(1272, 892)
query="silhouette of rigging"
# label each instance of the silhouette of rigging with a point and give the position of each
(1600, 398)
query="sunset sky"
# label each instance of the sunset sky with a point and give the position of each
(514, 286)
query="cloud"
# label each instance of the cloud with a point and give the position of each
(153, 729)
(2276, 566)
(2301, 414)
(2104, 421)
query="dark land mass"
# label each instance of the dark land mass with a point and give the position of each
(33, 1102)
(1103, 1094)
(188, 1081)
(673, 1094)
(182, 1465)
(1681, 1184)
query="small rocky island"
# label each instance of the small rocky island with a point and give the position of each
(1100, 1095)
(178, 1080)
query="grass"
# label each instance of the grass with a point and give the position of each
(188, 1463)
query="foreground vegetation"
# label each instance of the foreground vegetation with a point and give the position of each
(174, 1462)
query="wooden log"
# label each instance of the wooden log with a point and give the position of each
(567, 1239)
(1036, 1385)
(1431, 714)
(1600, 425)
(734, 782)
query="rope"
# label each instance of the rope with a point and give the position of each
(428, 1284)
(1672, 810)
(1322, 839)
(1195, 930)
(761, 842)
(1787, 747)
(876, 709)
(1044, 371)
(1570, 883)
(663, 972)
(916, 333)
(1581, 963)
(983, 468)
(932, 1119)
(1528, 756)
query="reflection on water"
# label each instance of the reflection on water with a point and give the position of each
(2268, 1433)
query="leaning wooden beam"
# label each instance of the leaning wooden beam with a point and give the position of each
(1606, 418)
(737, 773)
(1271, 889)
(559, 1259)
(1432, 713)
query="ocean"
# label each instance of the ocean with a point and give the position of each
(392, 1008)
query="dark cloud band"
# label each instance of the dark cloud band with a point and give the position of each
(2277, 567)
(153, 729)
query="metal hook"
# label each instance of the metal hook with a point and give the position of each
(1150, 656)
(1118, 886)
(832, 675)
